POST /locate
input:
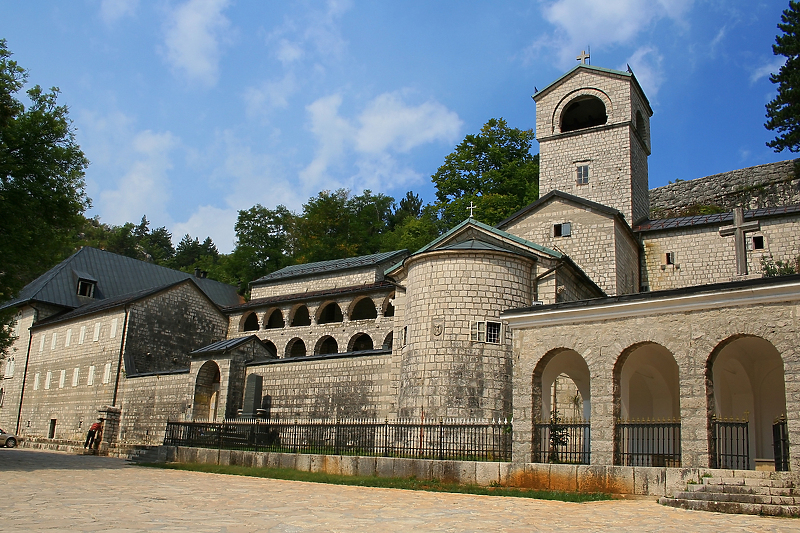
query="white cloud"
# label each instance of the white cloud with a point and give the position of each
(288, 52)
(580, 23)
(113, 10)
(389, 123)
(209, 221)
(646, 65)
(144, 189)
(767, 68)
(333, 134)
(193, 39)
(270, 95)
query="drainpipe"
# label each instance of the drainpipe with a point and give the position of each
(25, 372)
(121, 351)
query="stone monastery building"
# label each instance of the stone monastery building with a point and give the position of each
(603, 295)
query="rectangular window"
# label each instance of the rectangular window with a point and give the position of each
(36, 381)
(86, 288)
(47, 380)
(107, 374)
(41, 343)
(82, 335)
(69, 338)
(583, 174)
(758, 242)
(669, 258)
(90, 376)
(62, 379)
(96, 332)
(52, 433)
(75, 377)
(562, 230)
(113, 329)
(485, 331)
(405, 335)
(53, 341)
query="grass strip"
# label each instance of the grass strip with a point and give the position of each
(433, 485)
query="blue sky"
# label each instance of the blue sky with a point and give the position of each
(192, 110)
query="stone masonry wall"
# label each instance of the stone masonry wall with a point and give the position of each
(345, 387)
(691, 338)
(347, 278)
(147, 403)
(769, 185)
(72, 373)
(702, 256)
(11, 383)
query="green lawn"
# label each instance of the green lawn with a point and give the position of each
(390, 483)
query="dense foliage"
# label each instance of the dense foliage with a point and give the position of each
(783, 112)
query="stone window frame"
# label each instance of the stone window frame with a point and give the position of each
(487, 331)
(582, 173)
(756, 243)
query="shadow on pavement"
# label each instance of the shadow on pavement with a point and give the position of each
(26, 460)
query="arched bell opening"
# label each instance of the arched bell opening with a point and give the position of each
(583, 112)
(747, 399)
(206, 392)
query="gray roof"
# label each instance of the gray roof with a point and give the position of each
(228, 344)
(714, 219)
(566, 196)
(321, 267)
(116, 275)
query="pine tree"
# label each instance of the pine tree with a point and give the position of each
(783, 113)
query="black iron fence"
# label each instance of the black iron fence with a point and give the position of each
(563, 441)
(730, 443)
(780, 442)
(451, 440)
(647, 443)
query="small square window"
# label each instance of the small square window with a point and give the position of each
(583, 174)
(86, 288)
(562, 230)
(484, 331)
(669, 258)
(758, 242)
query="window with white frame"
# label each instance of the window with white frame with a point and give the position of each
(69, 338)
(82, 335)
(113, 329)
(62, 379)
(582, 174)
(10, 364)
(107, 374)
(47, 379)
(54, 341)
(36, 381)
(75, 376)
(41, 342)
(96, 332)
(90, 376)
(562, 230)
(487, 331)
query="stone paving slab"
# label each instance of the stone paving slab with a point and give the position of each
(50, 491)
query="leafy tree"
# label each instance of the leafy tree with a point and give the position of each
(190, 252)
(783, 112)
(493, 169)
(42, 194)
(413, 232)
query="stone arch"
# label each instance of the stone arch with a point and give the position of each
(274, 320)
(360, 342)
(555, 363)
(388, 306)
(388, 341)
(249, 322)
(271, 346)
(300, 316)
(646, 383)
(363, 309)
(295, 348)
(329, 313)
(577, 96)
(326, 345)
(206, 392)
(745, 378)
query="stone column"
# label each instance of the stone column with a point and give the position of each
(110, 415)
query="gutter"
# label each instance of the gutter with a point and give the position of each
(25, 372)
(121, 351)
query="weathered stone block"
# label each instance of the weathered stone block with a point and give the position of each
(487, 473)
(563, 477)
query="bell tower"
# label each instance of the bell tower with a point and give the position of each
(593, 127)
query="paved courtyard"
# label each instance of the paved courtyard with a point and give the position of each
(47, 491)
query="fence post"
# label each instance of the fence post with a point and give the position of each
(386, 437)
(441, 439)
(220, 430)
(296, 434)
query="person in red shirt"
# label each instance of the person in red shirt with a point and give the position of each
(93, 429)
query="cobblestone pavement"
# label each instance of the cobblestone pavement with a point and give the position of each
(48, 491)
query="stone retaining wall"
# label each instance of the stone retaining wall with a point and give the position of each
(773, 184)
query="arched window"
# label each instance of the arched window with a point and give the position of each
(250, 323)
(583, 112)
(364, 310)
(389, 340)
(301, 317)
(275, 320)
(330, 313)
(326, 345)
(296, 348)
(360, 342)
(388, 306)
(271, 348)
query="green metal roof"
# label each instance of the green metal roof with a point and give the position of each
(597, 69)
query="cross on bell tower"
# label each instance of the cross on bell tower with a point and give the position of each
(583, 58)
(738, 230)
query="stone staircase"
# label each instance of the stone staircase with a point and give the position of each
(738, 492)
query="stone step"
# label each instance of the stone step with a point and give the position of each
(749, 481)
(741, 498)
(733, 507)
(742, 489)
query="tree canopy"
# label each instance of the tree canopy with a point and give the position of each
(494, 170)
(783, 112)
(42, 196)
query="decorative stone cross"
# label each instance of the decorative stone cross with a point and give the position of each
(583, 58)
(471, 208)
(738, 230)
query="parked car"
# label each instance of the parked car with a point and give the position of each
(9, 440)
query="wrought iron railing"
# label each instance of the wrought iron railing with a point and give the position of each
(647, 443)
(780, 442)
(445, 439)
(570, 445)
(730, 443)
